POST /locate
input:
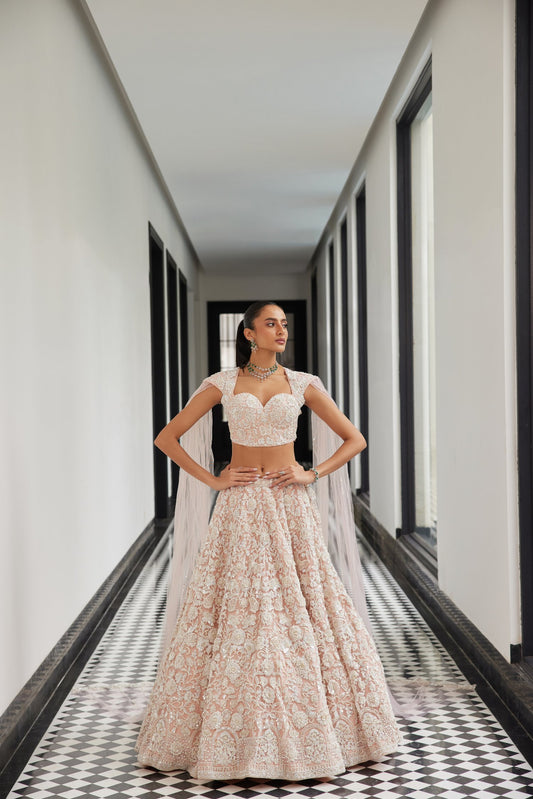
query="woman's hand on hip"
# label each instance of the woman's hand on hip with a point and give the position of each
(290, 475)
(235, 476)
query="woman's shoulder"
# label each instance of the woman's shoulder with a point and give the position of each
(222, 378)
(299, 382)
(222, 373)
(303, 377)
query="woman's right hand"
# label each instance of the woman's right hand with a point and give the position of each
(233, 476)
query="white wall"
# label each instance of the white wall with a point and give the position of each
(78, 190)
(472, 46)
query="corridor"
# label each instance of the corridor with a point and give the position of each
(458, 752)
(366, 166)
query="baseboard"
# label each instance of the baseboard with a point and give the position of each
(27, 717)
(505, 687)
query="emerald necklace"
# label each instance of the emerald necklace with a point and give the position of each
(261, 372)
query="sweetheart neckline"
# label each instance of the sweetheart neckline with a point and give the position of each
(287, 393)
(279, 394)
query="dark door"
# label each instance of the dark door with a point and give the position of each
(184, 338)
(159, 403)
(360, 211)
(173, 356)
(222, 321)
(524, 316)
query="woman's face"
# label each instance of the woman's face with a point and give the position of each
(270, 329)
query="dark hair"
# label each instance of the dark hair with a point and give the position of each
(242, 345)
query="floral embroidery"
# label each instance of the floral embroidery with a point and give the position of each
(299, 718)
(314, 744)
(237, 722)
(255, 425)
(270, 671)
(215, 720)
(233, 670)
(225, 747)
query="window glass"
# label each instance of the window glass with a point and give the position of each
(423, 281)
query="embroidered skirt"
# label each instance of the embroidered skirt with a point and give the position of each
(270, 672)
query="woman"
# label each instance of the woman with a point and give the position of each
(268, 670)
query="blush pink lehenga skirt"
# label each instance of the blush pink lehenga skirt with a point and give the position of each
(270, 672)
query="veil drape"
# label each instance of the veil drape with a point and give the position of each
(191, 519)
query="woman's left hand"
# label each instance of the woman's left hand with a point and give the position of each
(289, 475)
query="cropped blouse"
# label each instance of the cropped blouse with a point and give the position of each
(253, 424)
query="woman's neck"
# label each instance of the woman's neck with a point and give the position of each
(263, 358)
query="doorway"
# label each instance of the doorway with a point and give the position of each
(157, 342)
(524, 317)
(222, 321)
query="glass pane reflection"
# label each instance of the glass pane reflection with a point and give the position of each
(424, 373)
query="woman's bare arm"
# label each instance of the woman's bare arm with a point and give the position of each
(167, 440)
(353, 440)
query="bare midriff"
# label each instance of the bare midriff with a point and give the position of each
(265, 459)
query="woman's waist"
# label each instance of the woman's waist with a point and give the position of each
(264, 459)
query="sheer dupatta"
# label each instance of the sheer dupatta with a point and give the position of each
(128, 700)
(191, 518)
(334, 497)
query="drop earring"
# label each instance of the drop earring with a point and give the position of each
(253, 345)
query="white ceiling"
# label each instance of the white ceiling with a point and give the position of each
(255, 110)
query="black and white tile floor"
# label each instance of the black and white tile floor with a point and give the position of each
(459, 751)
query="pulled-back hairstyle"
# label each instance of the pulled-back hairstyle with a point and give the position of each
(242, 345)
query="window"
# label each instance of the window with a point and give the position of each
(314, 317)
(424, 379)
(346, 355)
(416, 297)
(362, 334)
(524, 316)
(228, 323)
(332, 322)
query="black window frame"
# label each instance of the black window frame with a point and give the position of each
(524, 317)
(344, 309)
(314, 318)
(407, 532)
(156, 282)
(184, 336)
(173, 355)
(362, 335)
(332, 320)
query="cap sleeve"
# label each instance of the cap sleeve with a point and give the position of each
(299, 382)
(217, 379)
(221, 380)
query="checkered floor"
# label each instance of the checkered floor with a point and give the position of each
(459, 751)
